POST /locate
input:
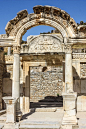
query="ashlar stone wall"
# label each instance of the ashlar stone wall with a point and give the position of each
(45, 81)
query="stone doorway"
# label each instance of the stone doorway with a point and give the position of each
(46, 86)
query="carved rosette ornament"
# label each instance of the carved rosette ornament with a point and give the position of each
(67, 48)
(16, 49)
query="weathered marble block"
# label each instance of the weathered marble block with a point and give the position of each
(69, 104)
(70, 112)
(69, 101)
(81, 103)
(10, 109)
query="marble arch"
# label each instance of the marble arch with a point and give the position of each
(43, 15)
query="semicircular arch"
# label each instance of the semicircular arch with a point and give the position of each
(47, 15)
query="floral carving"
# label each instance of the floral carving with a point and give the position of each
(16, 49)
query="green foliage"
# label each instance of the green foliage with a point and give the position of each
(5, 53)
(81, 23)
(57, 94)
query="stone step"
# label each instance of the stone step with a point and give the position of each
(41, 124)
(36, 105)
(69, 120)
(51, 100)
(38, 127)
(2, 112)
(55, 123)
(3, 118)
(82, 127)
(46, 109)
(47, 103)
(44, 106)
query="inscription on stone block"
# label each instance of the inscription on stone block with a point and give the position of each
(45, 43)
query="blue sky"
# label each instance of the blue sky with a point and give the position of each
(9, 9)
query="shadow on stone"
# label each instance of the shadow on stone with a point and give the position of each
(48, 101)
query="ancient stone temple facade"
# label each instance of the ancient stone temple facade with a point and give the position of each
(47, 65)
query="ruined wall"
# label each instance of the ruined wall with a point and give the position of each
(45, 81)
(79, 77)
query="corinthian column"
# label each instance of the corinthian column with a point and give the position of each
(16, 75)
(69, 97)
(68, 69)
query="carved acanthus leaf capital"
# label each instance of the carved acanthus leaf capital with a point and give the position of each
(67, 48)
(16, 49)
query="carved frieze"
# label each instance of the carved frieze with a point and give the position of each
(52, 11)
(83, 70)
(79, 56)
(2, 36)
(8, 58)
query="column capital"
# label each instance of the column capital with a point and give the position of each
(16, 49)
(68, 48)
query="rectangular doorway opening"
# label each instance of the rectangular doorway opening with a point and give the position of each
(46, 86)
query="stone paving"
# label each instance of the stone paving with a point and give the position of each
(35, 120)
(42, 119)
(81, 116)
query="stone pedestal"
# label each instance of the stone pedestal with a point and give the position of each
(10, 109)
(69, 105)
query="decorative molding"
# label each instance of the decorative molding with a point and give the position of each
(40, 16)
(9, 58)
(79, 56)
(16, 49)
(83, 70)
(67, 48)
(2, 36)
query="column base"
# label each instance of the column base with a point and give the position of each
(69, 120)
(69, 127)
(69, 105)
(11, 126)
(11, 109)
